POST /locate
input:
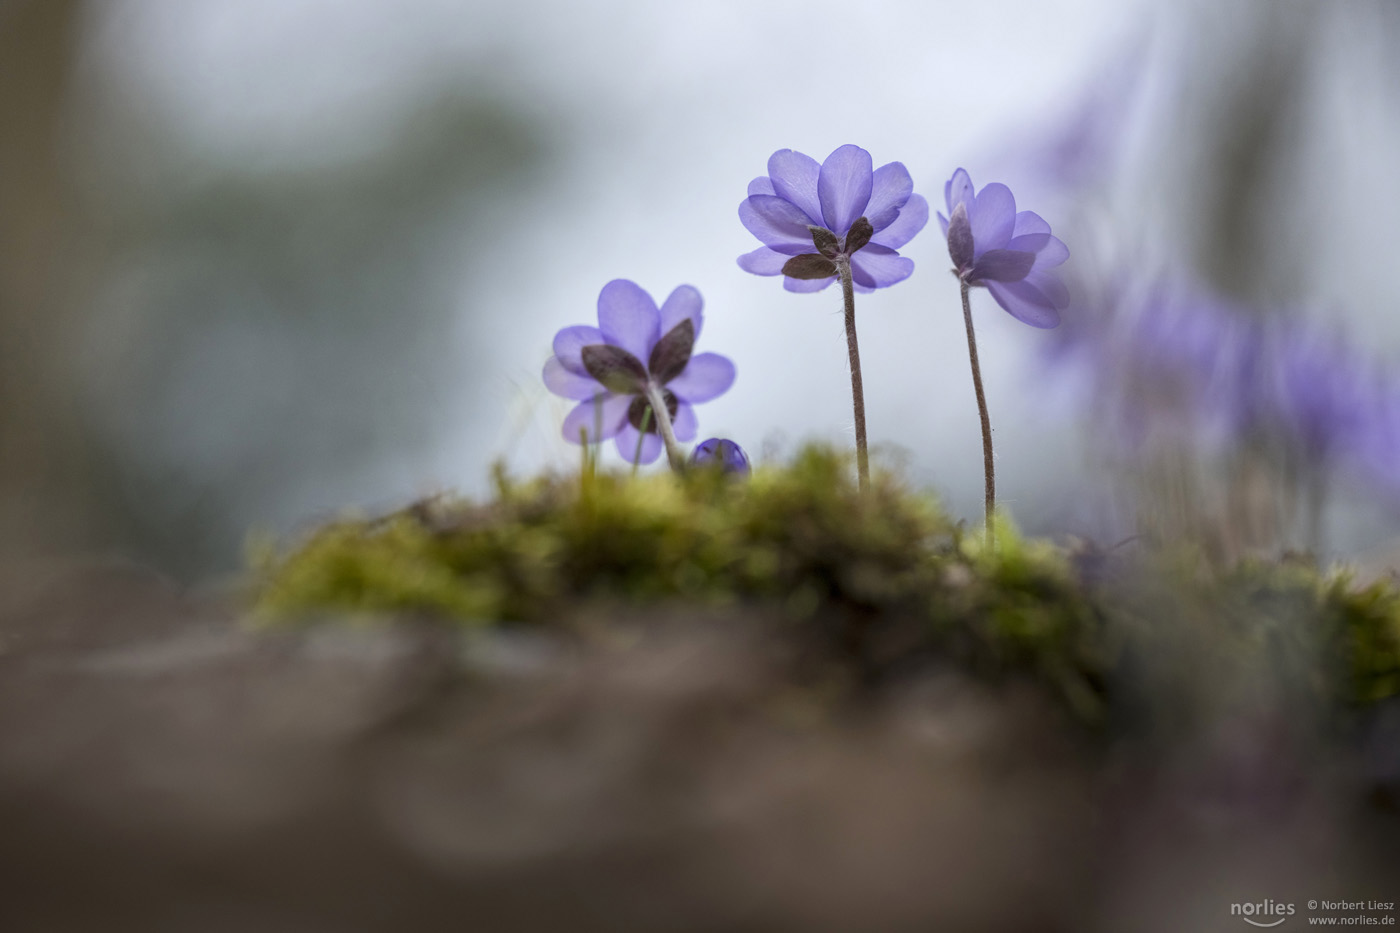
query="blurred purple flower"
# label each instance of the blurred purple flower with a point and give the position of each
(637, 346)
(1011, 254)
(1173, 362)
(1314, 389)
(1374, 447)
(1082, 143)
(722, 453)
(798, 195)
(1333, 405)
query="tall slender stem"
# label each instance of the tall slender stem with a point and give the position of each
(987, 469)
(674, 454)
(597, 445)
(848, 292)
(641, 437)
(586, 471)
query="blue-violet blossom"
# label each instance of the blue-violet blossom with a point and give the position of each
(636, 349)
(722, 453)
(800, 201)
(1010, 253)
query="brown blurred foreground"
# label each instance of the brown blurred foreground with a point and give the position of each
(163, 767)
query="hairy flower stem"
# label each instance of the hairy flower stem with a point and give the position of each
(857, 387)
(597, 432)
(987, 469)
(637, 455)
(674, 454)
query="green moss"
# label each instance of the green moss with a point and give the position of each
(1366, 637)
(877, 581)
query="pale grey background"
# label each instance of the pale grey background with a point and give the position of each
(330, 242)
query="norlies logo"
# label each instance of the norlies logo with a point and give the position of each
(1270, 913)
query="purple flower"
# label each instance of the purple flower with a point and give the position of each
(804, 209)
(1330, 399)
(725, 454)
(1010, 253)
(636, 347)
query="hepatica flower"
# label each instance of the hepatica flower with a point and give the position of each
(637, 358)
(842, 219)
(1012, 254)
(814, 212)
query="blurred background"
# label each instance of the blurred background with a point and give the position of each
(265, 260)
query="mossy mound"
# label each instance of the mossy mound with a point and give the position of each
(879, 581)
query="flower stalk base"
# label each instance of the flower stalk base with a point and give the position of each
(674, 454)
(843, 266)
(988, 470)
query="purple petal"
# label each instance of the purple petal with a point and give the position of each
(763, 261)
(1050, 286)
(1051, 254)
(682, 304)
(942, 222)
(912, 218)
(627, 445)
(610, 416)
(1002, 265)
(1029, 242)
(706, 376)
(890, 188)
(569, 344)
(1028, 222)
(794, 176)
(778, 224)
(993, 217)
(958, 190)
(559, 380)
(880, 267)
(628, 317)
(761, 185)
(802, 286)
(1025, 303)
(685, 424)
(844, 187)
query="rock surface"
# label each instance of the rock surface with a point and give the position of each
(166, 767)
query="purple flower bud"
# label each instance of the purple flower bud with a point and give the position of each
(725, 454)
(960, 248)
